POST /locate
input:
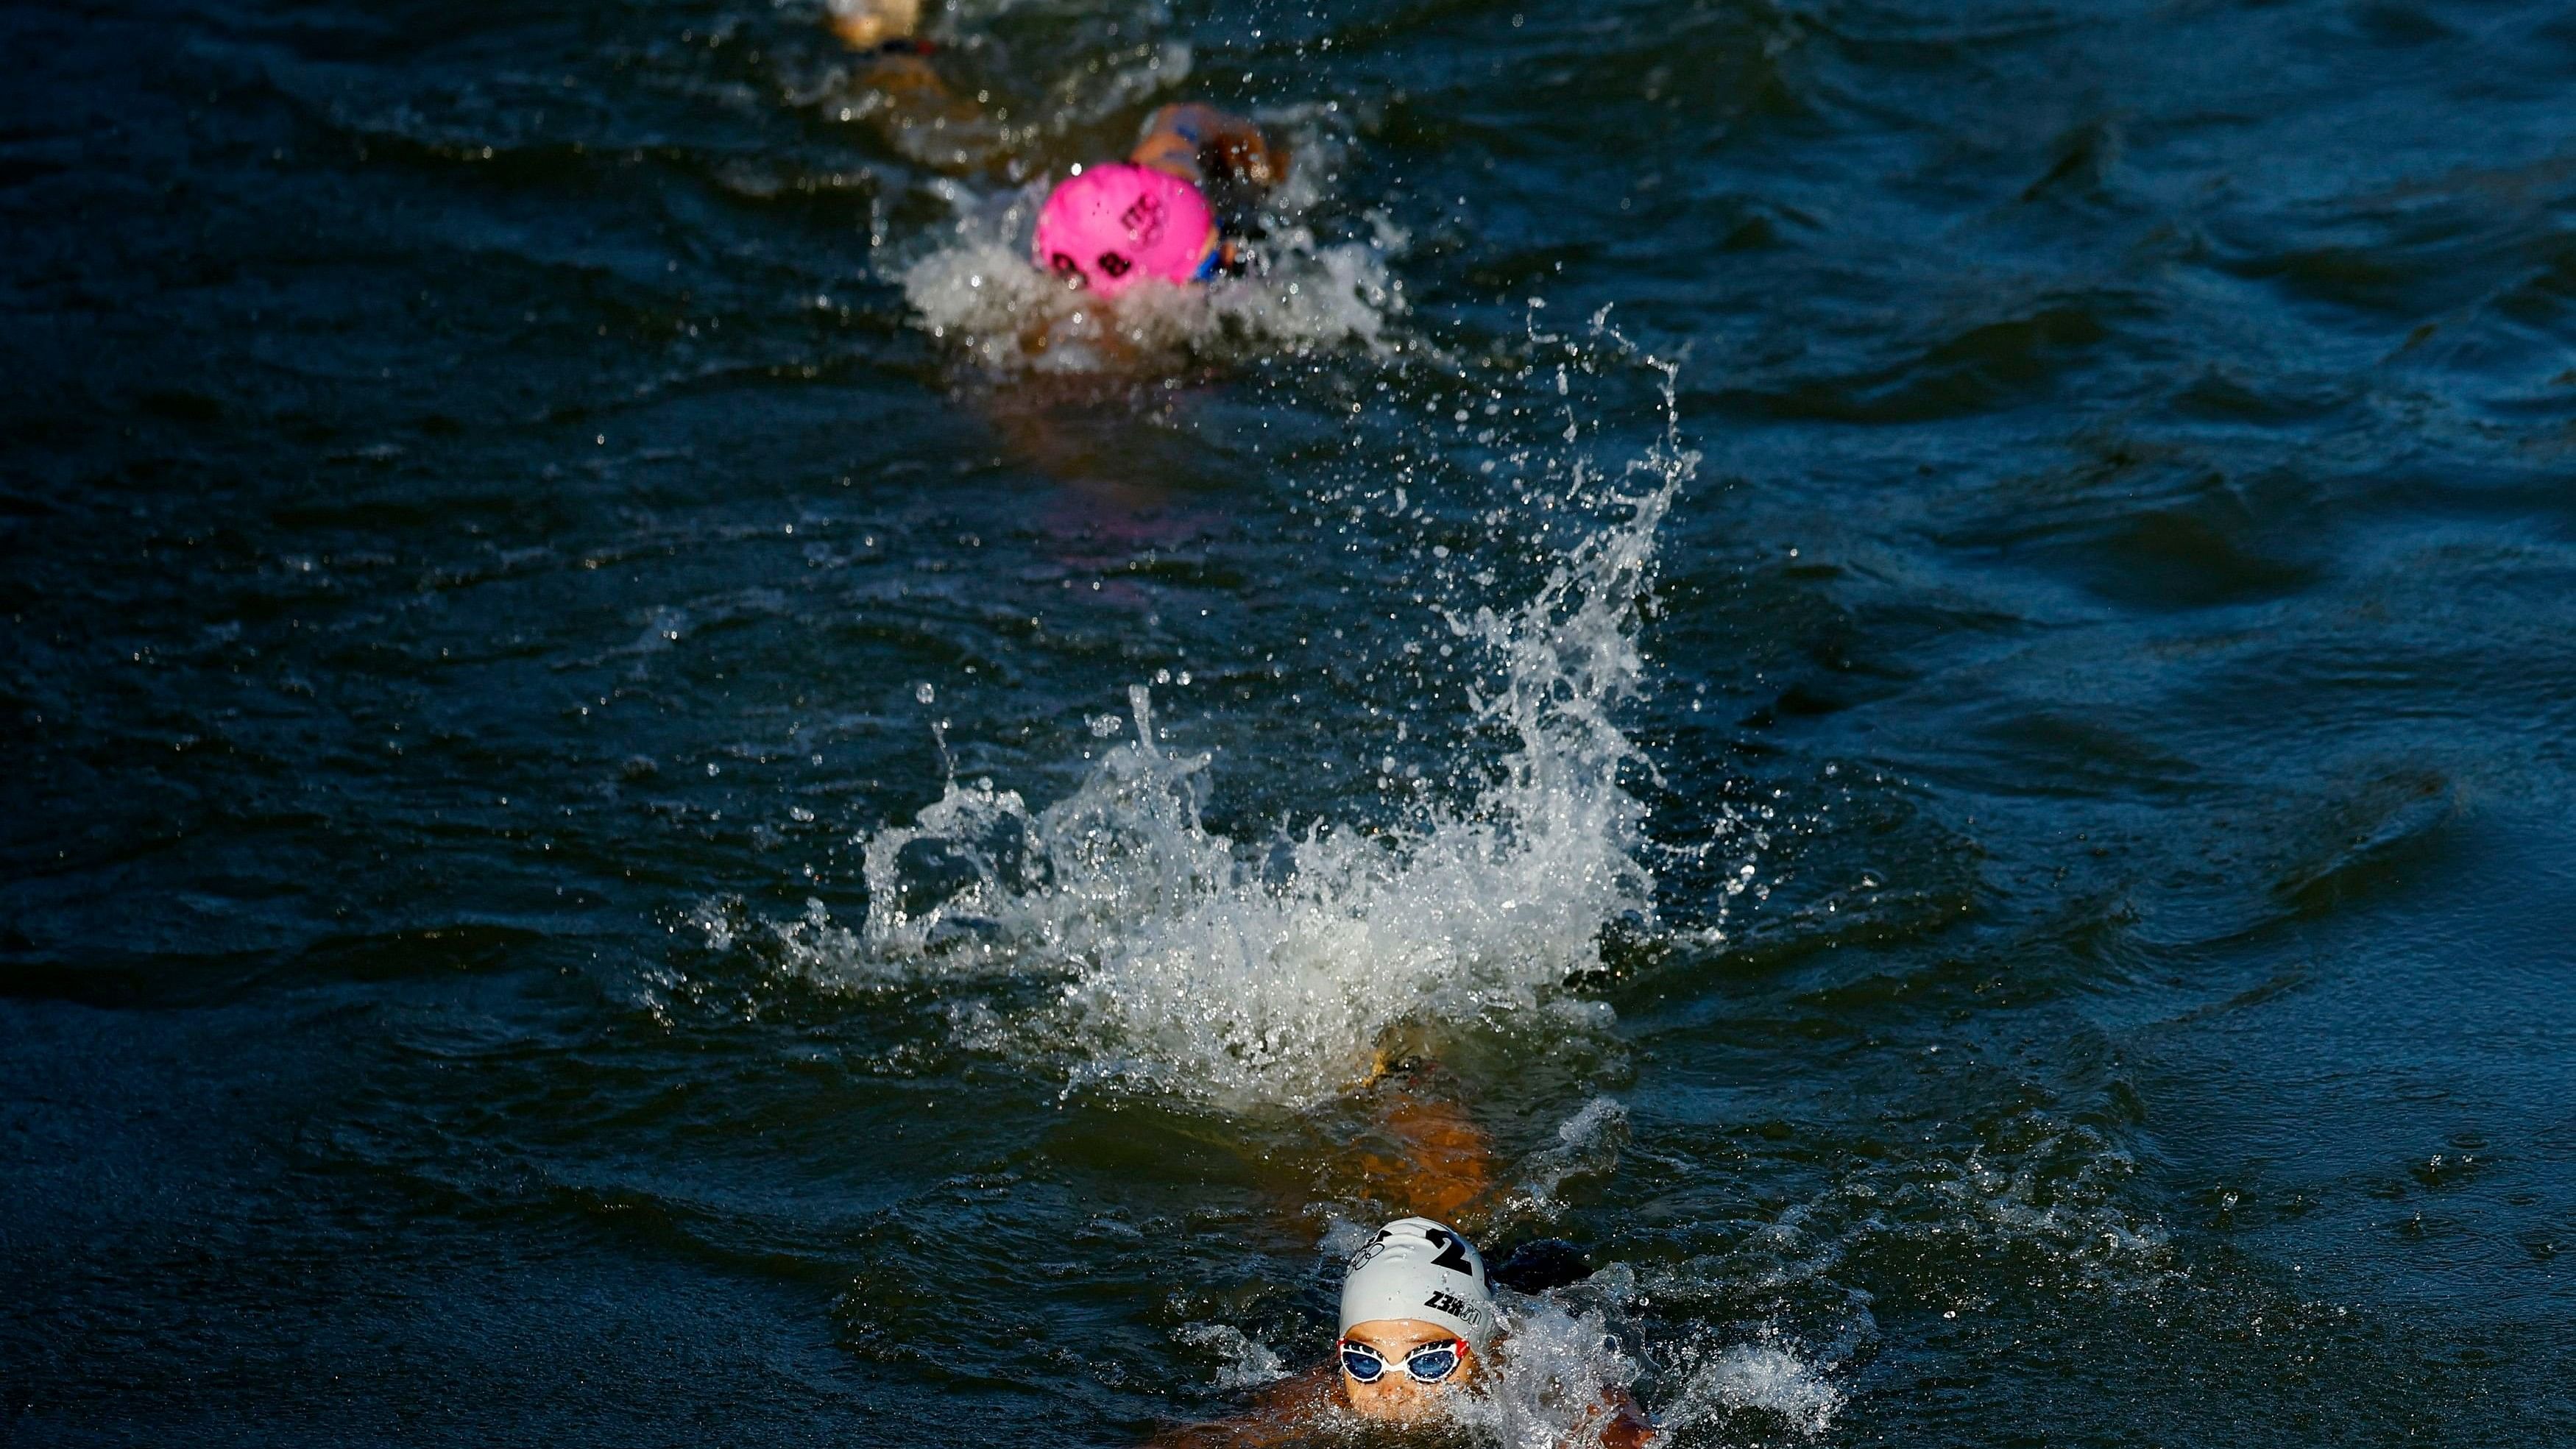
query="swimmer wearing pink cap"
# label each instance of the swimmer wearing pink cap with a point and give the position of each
(1110, 226)
(1105, 227)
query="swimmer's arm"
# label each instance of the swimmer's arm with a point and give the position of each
(1448, 1161)
(1186, 140)
(1283, 1415)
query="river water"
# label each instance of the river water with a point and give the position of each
(1928, 648)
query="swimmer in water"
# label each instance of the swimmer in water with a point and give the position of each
(1110, 225)
(1418, 1323)
(1154, 215)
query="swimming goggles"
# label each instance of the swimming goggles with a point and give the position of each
(1427, 1364)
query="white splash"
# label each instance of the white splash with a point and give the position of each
(1186, 964)
(1768, 1377)
(1559, 1371)
(1249, 1363)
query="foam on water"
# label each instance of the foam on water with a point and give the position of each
(1558, 1367)
(1767, 1377)
(1564, 1361)
(1249, 1363)
(1186, 962)
(1303, 291)
(1563, 1364)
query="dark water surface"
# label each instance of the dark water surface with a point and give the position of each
(2066, 941)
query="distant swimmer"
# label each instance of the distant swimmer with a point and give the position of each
(869, 24)
(1109, 225)
(1418, 1324)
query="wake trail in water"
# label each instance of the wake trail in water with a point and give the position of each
(1189, 963)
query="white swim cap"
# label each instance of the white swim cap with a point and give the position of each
(1416, 1268)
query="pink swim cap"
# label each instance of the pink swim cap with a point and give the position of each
(1116, 224)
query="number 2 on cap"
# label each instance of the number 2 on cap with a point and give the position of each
(1453, 1253)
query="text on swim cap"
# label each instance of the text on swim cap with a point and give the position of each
(1143, 219)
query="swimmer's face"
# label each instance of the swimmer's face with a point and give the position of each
(1396, 1397)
